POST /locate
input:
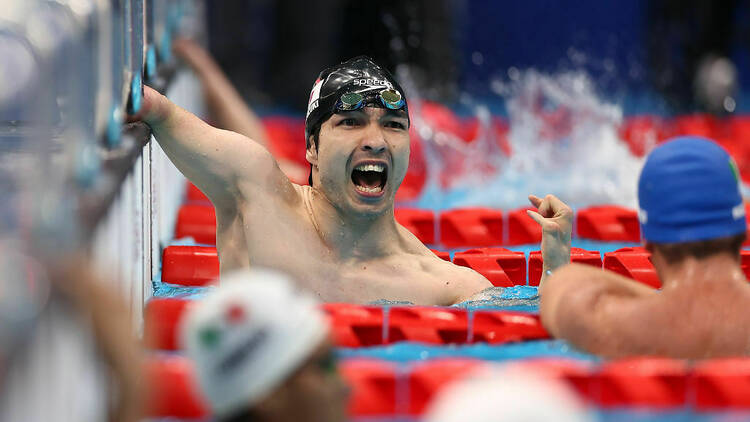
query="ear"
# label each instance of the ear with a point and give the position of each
(312, 152)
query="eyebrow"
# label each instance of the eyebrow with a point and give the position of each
(401, 114)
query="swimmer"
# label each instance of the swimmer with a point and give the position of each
(262, 353)
(339, 234)
(693, 222)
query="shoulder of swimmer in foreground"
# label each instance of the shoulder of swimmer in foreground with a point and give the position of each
(606, 314)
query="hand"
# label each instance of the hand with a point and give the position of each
(556, 220)
(153, 111)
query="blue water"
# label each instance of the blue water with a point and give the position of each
(405, 352)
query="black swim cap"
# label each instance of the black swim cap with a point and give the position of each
(358, 75)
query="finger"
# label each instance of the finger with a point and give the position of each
(557, 206)
(545, 209)
(535, 200)
(536, 217)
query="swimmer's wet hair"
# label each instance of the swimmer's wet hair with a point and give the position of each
(677, 252)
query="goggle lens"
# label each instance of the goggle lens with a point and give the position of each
(351, 101)
(390, 98)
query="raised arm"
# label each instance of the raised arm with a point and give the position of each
(556, 219)
(226, 105)
(213, 159)
(596, 310)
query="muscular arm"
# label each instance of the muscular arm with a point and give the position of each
(214, 160)
(596, 310)
(226, 105)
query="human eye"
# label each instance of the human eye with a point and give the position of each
(349, 121)
(393, 124)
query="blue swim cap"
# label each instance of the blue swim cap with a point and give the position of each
(689, 191)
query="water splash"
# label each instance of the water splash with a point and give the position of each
(562, 139)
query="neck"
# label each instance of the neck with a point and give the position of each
(716, 270)
(352, 236)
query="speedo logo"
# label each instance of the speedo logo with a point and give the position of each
(372, 82)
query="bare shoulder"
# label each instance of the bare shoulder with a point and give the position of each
(461, 282)
(600, 311)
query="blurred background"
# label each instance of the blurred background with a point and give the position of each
(643, 54)
(506, 99)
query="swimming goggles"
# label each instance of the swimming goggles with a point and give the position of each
(390, 98)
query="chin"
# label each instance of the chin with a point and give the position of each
(371, 210)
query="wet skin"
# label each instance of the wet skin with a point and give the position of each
(339, 239)
(701, 310)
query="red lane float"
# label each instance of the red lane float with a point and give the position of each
(379, 388)
(355, 325)
(502, 267)
(577, 374)
(522, 229)
(608, 223)
(172, 389)
(418, 221)
(427, 378)
(193, 194)
(361, 326)
(471, 227)
(697, 124)
(190, 265)
(633, 263)
(738, 143)
(373, 387)
(286, 136)
(197, 221)
(642, 133)
(722, 384)
(745, 263)
(442, 255)
(435, 325)
(643, 382)
(161, 322)
(495, 327)
(578, 255)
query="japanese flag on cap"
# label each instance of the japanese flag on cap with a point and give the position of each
(249, 335)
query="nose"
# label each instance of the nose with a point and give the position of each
(374, 142)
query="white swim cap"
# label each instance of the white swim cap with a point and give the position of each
(249, 335)
(507, 393)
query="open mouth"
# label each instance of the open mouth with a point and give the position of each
(370, 178)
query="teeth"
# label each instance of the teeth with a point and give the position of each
(370, 167)
(368, 190)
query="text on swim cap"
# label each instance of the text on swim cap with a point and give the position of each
(243, 351)
(372, 82)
